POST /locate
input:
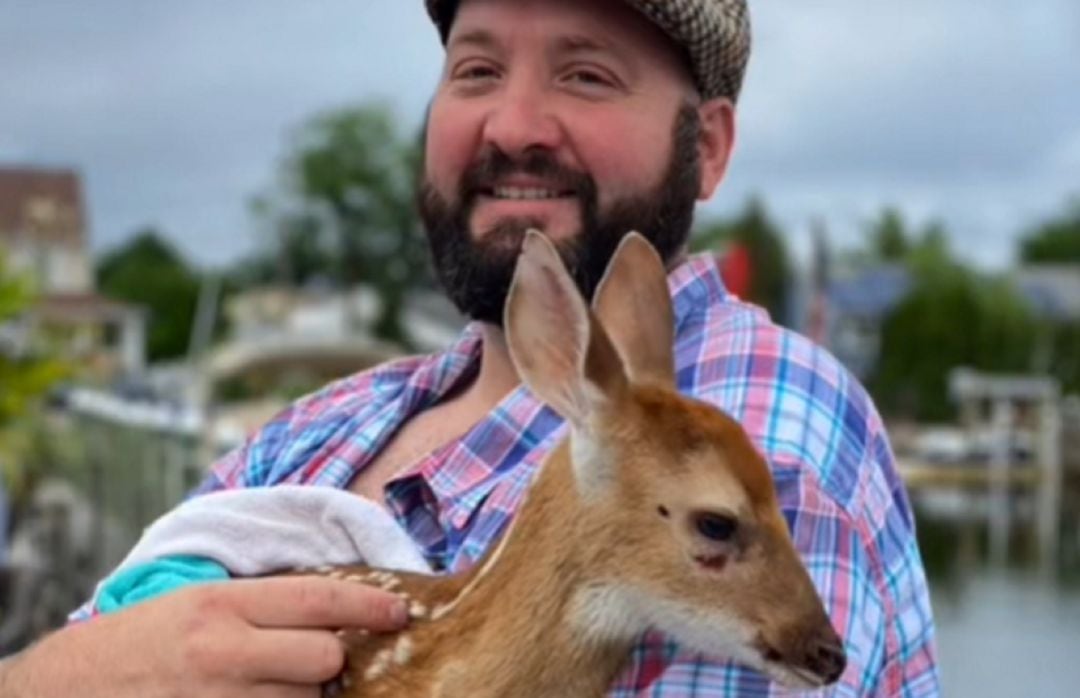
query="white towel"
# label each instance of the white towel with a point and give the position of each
(255, 531)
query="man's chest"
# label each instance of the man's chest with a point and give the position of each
(419, 438)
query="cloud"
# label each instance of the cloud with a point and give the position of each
(926, 88)
(177, 113)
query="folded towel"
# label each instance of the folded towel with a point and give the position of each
(255, 531)
(150, 579)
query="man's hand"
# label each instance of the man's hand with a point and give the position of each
(260, 638)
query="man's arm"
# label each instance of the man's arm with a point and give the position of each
(264, 637)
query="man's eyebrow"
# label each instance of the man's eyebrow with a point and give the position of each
(576, 43)
(477, 37)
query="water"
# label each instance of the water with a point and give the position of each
(1006, 628)
(1009, 634)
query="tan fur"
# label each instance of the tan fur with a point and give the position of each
(601, 550)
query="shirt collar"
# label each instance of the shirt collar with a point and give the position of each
(462, 474)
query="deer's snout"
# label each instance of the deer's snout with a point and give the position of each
(826, 658)
(813, 659)
(819, 653)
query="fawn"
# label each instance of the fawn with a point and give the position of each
(655, 513)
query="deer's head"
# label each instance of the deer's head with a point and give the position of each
(680, 529)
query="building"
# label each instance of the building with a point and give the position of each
(43, 233)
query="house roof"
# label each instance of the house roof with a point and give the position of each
(82, 307)
(1052, 289)
(870, 293)
(44, 204)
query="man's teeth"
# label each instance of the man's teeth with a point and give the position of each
(518, 193)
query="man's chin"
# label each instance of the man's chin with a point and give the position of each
(510, 232)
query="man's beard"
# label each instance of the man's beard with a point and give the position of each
(476, 272)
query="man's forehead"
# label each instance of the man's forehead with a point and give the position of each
(573, 24)
(710, 38)
(574, 40)
(568, 27)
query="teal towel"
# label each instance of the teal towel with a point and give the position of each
(151, 579)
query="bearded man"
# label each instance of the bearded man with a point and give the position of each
(585, 119)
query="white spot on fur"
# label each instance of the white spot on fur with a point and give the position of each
(403, 650)
(417, 610)
(379, 664)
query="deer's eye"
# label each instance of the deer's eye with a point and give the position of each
(716, 527)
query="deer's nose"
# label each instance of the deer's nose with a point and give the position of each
(826, 659)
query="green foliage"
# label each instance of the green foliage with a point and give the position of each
(147, 271)
(771, 271)
(347, 210)
(1056, 240)
(295, 250)
(952, 317)
(24, 375)
(15, 293)
(1064, 351)
(889, 238)
(35, 448)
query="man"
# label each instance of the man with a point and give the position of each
(585, 118)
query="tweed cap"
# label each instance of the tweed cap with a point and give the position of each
(714, 33)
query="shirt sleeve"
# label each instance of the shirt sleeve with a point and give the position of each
(838, 487)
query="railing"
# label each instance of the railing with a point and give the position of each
(131, 464)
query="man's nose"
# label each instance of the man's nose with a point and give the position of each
(521, 121)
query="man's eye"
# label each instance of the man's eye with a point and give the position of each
(475, 72)
(589, 77)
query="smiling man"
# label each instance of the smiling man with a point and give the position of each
(581, 119)
(586, 119)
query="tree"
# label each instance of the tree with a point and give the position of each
(770, 270)
(148, 271)
(349, 186)
(24, 373)
(296, 249)
(952, 317)
(1056, 240)
(889, 238)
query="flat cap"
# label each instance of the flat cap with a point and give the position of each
(714, 33)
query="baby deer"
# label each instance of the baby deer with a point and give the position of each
(656, 513)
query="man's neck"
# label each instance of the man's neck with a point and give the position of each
(495, 379)
(497, 375)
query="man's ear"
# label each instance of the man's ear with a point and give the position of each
(716, 142)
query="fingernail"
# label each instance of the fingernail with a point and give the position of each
(399, 613)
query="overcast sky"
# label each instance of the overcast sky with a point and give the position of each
(177, 113)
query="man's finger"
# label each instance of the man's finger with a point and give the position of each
(317, 602)
(280, 690)
(298, 657)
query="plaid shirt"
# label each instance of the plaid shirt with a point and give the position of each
(829, 453)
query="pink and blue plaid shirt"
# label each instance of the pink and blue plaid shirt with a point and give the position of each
(829, 452)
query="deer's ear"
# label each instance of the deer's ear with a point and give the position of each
(561, 353)
(634, 306)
